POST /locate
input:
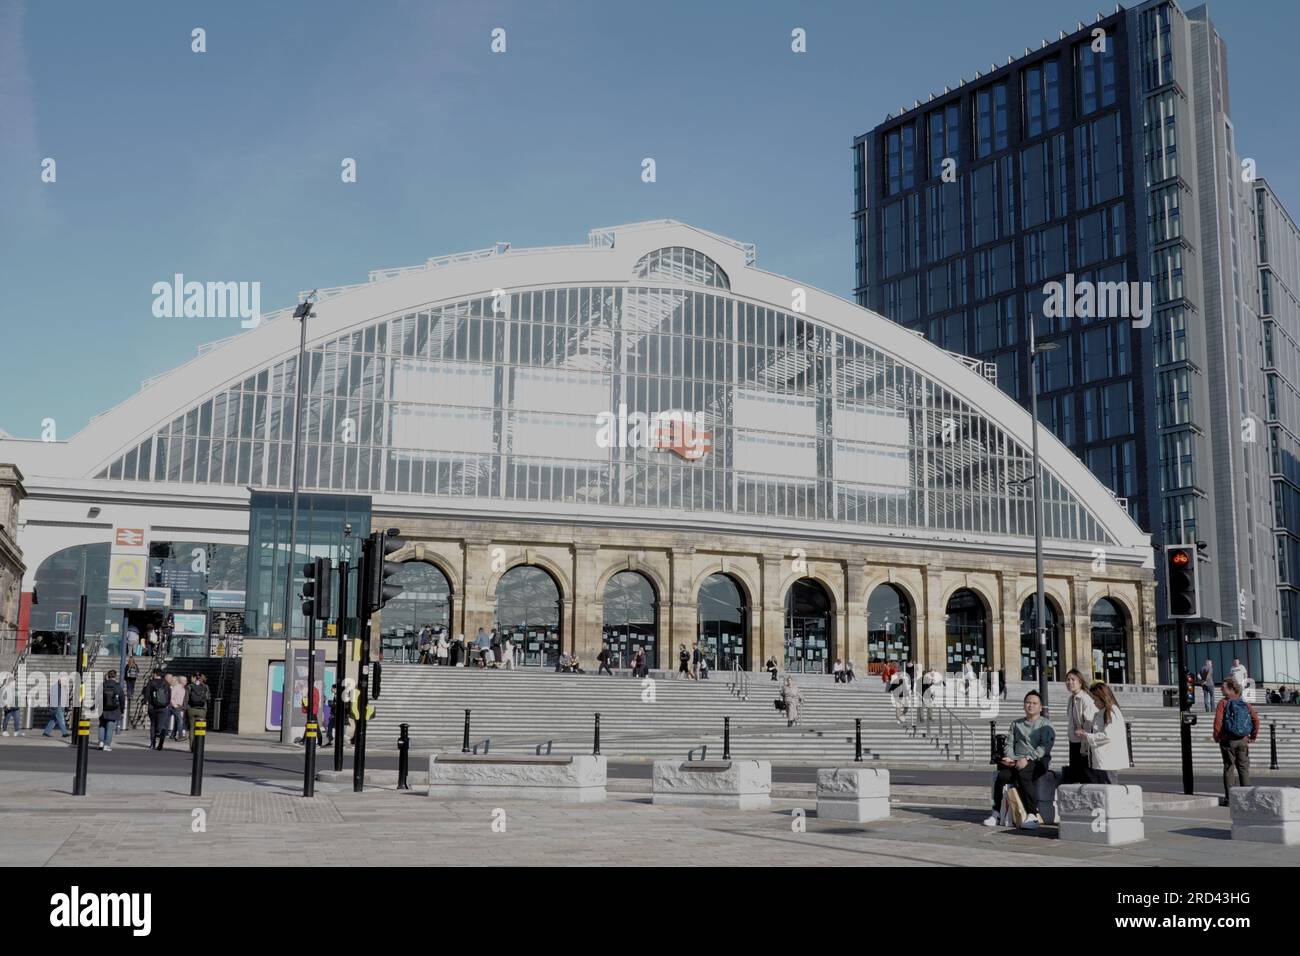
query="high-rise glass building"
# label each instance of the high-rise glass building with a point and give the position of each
(1093, 187)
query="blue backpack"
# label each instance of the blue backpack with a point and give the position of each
(1236, 719)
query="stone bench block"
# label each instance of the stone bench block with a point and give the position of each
(854, 795)
(1045, 792)
(721, 784)
(576, 779)
(1266, 814)
(1100, 813)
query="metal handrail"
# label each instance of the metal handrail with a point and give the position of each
(961, 734)
(739, 686)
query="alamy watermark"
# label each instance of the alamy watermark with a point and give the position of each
(1085, 299)
(208, 300)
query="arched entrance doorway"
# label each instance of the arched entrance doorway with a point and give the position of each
(631, 618)
(1109, 642)
(1029, 640)
(529, 611)
(809, 631)
(889, 628)
(425, 601)
(723, 623)
(967, 630)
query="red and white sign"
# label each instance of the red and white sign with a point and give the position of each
(129, 537)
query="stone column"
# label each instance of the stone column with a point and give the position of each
(931, 629)
(1147, 666)
(1079, 652)
(682, 611)
(771, 617)
(855, 617)
(1006, 649)
(588, 606)
(477, 609)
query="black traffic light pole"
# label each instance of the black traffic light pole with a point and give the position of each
(309, 734)
(340, 668)
(82, 738)
(361, 695)
(1185, 716)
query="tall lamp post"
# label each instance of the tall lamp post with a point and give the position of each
(1040, 610)
(302, 314)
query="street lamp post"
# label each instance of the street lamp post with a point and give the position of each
(1040, 611)
(302, 314)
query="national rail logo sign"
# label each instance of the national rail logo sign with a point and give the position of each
(674, 430)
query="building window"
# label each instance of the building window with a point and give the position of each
(1099, 160)
(944, 211)
(900, 159)
(1056, 369)
(995, 270)
(945, 127)
(995, 325)
(1042, 97)
(1096, 75)
(991, 119)
(1100, 235)
(1046, 254)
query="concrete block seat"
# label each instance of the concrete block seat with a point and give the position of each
(853, 795)
(578, 778)
(1110, 815)
(1266, 814)
(720, 784)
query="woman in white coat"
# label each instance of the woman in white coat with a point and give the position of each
(443, 648)
(1107, 742)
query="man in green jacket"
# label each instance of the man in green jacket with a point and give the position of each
(1029, 751)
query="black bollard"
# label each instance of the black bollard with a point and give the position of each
(200, 734)
(309, 765)
(1128, 737)
(1272, 746)
(464, 747)
(403, 755)
(857, 742)
(726, 738)
(595, 747)
(83, 757)
(993, 742)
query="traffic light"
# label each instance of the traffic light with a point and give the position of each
(316, 589)
(1189, 690)
(380, 586)
(1184, 580)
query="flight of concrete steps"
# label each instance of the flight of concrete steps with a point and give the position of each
(518, 709)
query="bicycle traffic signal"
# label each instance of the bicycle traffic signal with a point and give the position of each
(1184, 579)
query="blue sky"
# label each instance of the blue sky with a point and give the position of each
(225, 165)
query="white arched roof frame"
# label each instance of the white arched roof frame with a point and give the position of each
(132, 421)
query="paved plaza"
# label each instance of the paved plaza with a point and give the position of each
(151, 820)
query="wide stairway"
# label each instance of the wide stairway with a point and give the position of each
(519, 709)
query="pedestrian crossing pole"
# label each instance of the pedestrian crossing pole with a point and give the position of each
(81, 727)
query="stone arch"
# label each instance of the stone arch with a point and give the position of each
(419, 551)
(747, 586)
(833, 590)
(1051, 589)
(538, 561)
(991, 607)
(649, 573)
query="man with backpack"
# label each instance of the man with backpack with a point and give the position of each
(158, 698)
(1236, 727)
(111, 710)
(196, 703)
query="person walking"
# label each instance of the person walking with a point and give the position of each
(9, 704)
(1028, 754)
(1207, 685)
(58, 700)
(131, 676)
(696, 657)
(684, 661)
(1082, 709)
(967, 676)
(111, 710)
(176, 712)
(1002, 683)
(158, 697)
(484, 644)
(424, 643)
(444, 647)
(603, 658)
(1236, 727)
(196, 702)
(792, 701)
(1107, 741)
(508, 653)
